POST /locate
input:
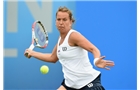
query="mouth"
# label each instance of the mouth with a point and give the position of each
(61, 27)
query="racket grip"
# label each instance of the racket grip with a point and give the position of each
(31, 47)
(26, 54)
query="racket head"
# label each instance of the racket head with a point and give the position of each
(39, 35)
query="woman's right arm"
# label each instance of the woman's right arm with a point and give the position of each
(47, 57)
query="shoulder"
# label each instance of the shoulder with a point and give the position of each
(77, 39)
(75, 35)
(73, 30)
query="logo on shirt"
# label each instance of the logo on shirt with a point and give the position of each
(64, 48)
(58, 50)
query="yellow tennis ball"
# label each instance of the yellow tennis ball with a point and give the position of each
(44, 69)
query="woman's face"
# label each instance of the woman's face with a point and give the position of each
(63, 21)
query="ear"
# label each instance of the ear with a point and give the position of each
(70, 23)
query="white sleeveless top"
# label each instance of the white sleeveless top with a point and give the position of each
(76, 66)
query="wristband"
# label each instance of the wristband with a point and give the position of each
(95, 59)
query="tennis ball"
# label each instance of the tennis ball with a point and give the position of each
(44, 69)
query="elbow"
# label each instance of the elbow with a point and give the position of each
(54, 61)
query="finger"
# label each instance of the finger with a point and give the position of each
(26, 54)
(26, 51)
(110, 64)
(109, 61)
(102, 57)
(29, 56)
(107, 68)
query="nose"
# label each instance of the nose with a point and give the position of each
(61, 22)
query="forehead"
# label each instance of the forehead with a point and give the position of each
(62, 15)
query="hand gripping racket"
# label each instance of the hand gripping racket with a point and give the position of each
(39, 36)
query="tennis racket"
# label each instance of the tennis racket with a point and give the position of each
(39, 36)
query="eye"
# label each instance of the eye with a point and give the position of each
(58, 19)
(64, 19)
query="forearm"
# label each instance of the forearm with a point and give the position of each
(42, 56)
(96, 53)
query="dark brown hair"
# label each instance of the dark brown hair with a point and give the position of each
(65, 9)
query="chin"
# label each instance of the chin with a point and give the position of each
(61, 29)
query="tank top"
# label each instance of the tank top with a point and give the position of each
(76, 66)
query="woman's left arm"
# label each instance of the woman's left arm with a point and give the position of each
(79, 40)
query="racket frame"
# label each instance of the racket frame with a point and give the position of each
(34, 39)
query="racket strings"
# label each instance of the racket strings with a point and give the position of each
(39, 41)
(43, 29)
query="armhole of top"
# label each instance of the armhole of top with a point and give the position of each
(68, 36)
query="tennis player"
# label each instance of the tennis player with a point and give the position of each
(72, 52)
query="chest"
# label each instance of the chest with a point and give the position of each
(65, 51)
(69, 42)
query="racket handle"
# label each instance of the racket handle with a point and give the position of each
(31, 47)
(26, 54)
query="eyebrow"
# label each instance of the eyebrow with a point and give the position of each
(62, 18)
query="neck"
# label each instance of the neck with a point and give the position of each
(63, 35)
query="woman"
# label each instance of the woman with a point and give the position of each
(72, 52)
